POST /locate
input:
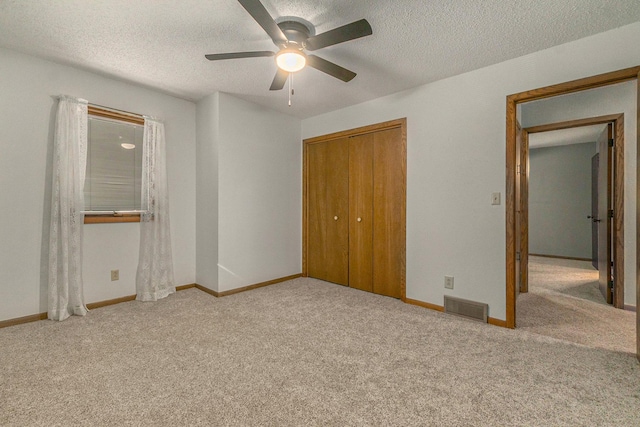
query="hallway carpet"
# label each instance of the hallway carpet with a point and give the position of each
(564, 302)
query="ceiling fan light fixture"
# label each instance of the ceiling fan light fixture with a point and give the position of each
(291, 60)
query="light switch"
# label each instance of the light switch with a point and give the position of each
(495, 198)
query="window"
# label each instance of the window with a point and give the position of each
(114, 167)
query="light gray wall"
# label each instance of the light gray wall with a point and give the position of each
(207, 124)
(27, 88)
(260, 194)
(456, 159)
(249, 187)
(560, 200)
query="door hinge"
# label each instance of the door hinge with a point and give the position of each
(610, 213)
(518, 169)
(611, 142)
(611, 284)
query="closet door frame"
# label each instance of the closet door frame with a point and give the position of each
(398, 123)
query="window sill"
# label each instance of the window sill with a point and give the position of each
(110, 218)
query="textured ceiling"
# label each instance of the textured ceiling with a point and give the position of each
(162, 43)
(565, 136)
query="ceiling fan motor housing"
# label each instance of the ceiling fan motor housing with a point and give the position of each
(296, 32)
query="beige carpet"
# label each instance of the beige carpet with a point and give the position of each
(564, 302)
(303, 353)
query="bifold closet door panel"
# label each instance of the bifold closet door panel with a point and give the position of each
(328, 210)
(361, 212)
(389, 237)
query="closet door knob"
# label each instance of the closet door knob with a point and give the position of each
(359, 219)
(335, 218)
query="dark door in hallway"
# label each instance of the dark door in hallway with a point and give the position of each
(603, 220)
(595, 160)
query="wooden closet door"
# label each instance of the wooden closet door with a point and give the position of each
(328, 205)
(389, 213)
(361, 212)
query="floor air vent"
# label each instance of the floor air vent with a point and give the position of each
(465, 308)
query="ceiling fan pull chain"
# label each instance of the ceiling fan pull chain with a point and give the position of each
(290, 87)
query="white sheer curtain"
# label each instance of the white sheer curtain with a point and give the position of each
(67, 203)
(154, 279)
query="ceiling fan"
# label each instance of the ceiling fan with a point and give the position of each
(293, 37)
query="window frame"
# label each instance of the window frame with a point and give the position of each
(115, 217)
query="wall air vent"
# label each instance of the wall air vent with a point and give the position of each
(468, 309)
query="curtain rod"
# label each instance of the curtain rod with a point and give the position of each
(114, 213)
(136, 115)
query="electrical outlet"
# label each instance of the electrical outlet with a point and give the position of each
(115, 275)
(448, 282)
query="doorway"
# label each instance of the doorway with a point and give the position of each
(608, 218)
(511, 173)
(563, 298)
